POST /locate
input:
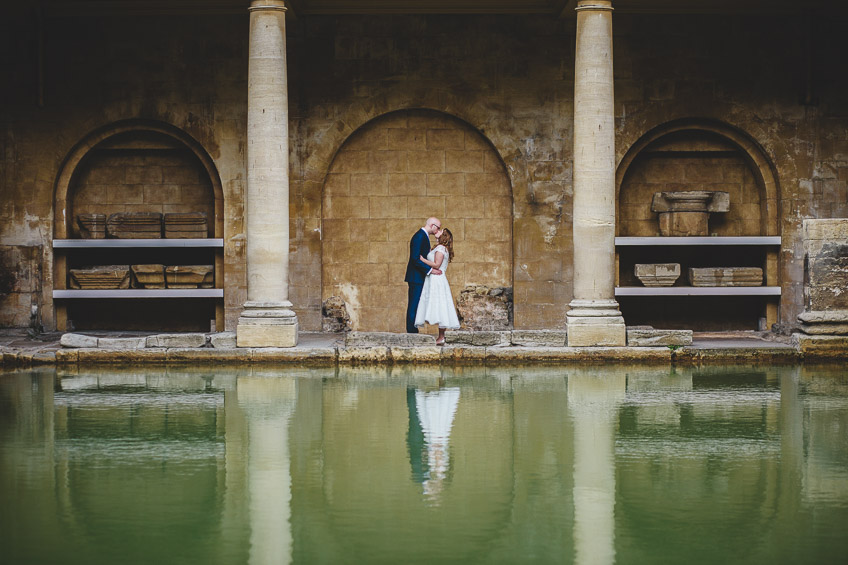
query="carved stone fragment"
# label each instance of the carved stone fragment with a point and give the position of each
(92, 226)
(104, 277)
(657, 274)
(186, 225)
(149, 276)
(190, 276)
(726, 276)
(686, 213)
(135, 225)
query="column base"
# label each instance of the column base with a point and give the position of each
(267, 324)
(595, 324)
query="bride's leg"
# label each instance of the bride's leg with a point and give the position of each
(441, 338)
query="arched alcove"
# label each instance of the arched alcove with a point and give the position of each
(386, 179)
(137, 166)
(698, 155)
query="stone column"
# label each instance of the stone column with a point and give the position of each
(594, 318)
(267, 319)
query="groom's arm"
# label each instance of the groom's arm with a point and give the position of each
(416, 244)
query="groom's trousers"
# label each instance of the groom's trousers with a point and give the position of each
(412, 306)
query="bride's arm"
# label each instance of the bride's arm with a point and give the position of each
(434, 264)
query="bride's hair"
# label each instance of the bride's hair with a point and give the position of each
(446, 239)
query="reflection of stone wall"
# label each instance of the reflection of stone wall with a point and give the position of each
(826, 264)
(388, 178)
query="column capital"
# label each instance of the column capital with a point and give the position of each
(594, 5)
(266, 5)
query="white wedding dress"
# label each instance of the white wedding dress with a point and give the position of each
(436, 304)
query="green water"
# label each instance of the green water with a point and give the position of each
(517, 465)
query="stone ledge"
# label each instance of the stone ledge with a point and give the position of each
(638, 337)
(822, 347)
(386, 339)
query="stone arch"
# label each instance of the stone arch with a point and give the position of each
(387, 177)
(129, 133)
(701, 136)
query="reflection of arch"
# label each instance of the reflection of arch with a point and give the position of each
(63, 189)
(754, 155)
(385, 179)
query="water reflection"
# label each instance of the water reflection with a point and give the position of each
(415, 465)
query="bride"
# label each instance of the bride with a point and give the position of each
(436, 305)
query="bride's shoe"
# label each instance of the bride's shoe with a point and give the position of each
(440, 342)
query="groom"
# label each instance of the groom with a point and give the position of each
(419, 246)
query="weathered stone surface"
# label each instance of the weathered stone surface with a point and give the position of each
(122, 342)
(425, 354)
(223, 340)
(176, 340)
(309, 356)
(826, 265)
(824, 316)
(482, 308)
(657, 274)
(687, 213)
(726, 276)
(104, 277)
(459, 337)
(388, 339)
(186, 225)
(658, 338)
(266, 335)
(539, 338)
(335, 317)
(92, 226)
(824, 329)
(190, 276)
(73, 340)
(149, 276)
(135, 225)
(596, 332)
(356, 355)
(822, 346)
(491, 339)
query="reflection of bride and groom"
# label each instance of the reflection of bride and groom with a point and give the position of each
(431, 414)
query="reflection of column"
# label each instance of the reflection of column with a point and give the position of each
(268, 404)
(592, 403)
(267, 319)
(594, 317)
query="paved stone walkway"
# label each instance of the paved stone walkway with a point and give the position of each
(17, 349)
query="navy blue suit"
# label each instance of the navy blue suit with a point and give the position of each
(416, 272)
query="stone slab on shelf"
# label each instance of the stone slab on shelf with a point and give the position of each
(686, 213)
(149, 276)
(190, 276)
(103, 277)
(135, 225)
(726, 276)
(186, 225)
(657, 274)
(92, 226)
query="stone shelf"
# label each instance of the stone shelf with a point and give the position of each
(723, 240)
(698, 291)
(141, 293)
(134, 243)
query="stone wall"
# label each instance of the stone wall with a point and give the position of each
(390, 176)
(147, 178)
(507, 77)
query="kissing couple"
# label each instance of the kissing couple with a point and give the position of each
(430, 298)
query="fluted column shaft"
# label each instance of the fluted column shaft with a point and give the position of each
(594, 318)
(267, 319)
